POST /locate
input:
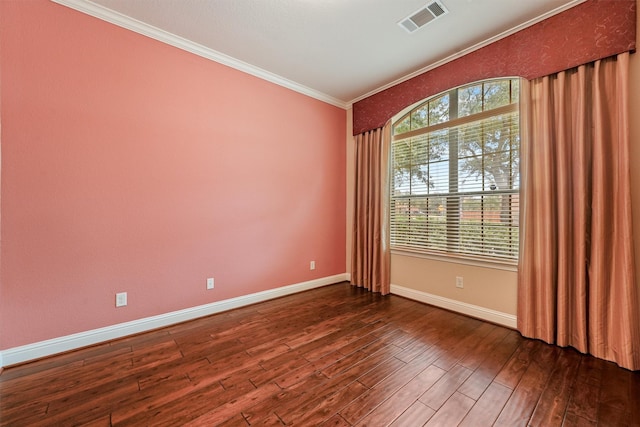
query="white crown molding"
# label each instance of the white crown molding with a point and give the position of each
(493, 316)
(470, 49)
(53, 346)
(116, 18)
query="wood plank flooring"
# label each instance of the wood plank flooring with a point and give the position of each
(333, 356)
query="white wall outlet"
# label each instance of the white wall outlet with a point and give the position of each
(210, 283)
(459, 282)
(121, 299)
(312, 265)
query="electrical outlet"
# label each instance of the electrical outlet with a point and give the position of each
(312, 265)
(459, 282)
(121, 299)
(210, 283)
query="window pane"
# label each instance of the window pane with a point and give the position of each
(439, 145)
(401, 184)
(420, 180)
(400, 220)
(437, 207)
(419, 117)
(420, 152)
(496, 94)
(418, 222)
(470, 174)
(403, 125)
(469, 100)
(439, 177)
(470, 141)
(488, 225)
(437, 237)
(497, 171)
(497, 132)
(401, 167)
(439, 110)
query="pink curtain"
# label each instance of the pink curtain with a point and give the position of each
(370, 255)
(576, 281)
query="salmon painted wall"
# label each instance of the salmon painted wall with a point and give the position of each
(130, 165)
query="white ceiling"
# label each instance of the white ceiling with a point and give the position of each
(335, 50)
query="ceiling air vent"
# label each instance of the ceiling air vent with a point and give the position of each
(423, 16)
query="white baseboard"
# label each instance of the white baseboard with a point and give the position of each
(53, 346)
(493, 316)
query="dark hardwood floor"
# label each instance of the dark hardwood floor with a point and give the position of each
(334, 356)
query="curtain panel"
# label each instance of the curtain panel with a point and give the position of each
(576, 280)
(370, 254)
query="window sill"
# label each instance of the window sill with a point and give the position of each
(507, 266)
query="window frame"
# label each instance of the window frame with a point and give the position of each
(451, 253)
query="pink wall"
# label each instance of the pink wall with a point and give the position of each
(130, 165)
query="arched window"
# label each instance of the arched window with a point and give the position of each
(455, 173)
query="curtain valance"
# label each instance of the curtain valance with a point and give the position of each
(593, 30)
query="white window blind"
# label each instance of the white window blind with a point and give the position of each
(455, 166)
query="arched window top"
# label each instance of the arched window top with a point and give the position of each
(459, 103)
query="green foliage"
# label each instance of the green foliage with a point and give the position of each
(439, 110)
(429, 232)
(403, 125)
